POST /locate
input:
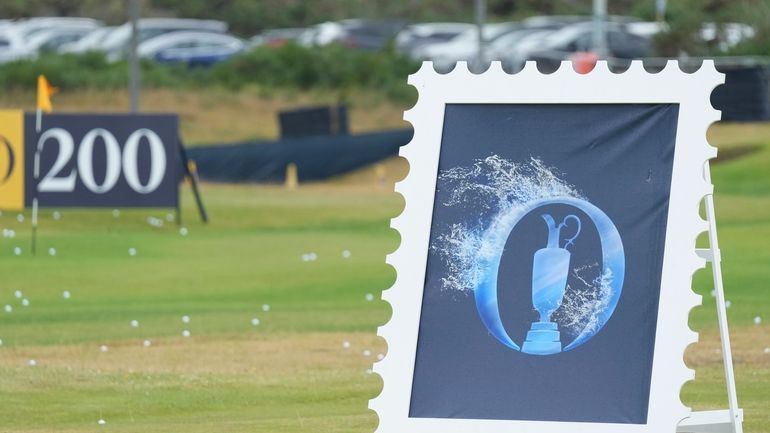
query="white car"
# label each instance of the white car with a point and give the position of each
(572, 38)
(53, 38)
(526, 45)
(89, 42)
(192, 48)
(12, 46)
(727, 35)
(416, 35)
(502, 47)
(116, 43)
(463, 47)
(326, 33)
(29, 27)
(647, 29)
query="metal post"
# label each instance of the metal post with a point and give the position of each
(600, 28)
(481, 11)
(36, 179)
(716, 269)
(133, 60)
(660, 10)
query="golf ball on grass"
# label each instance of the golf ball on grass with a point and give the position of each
(25, 302)
(17, 251)
(103, 348)
(66, 294)
(369, 297)
(147, 343)
(51, 251)
(757, 320)
(32, 363)
(134, 323)
(255, 322)
(101, 422)
(56, 215)
(18, 294)
(346, 254)
(132, 252)
(183, 231)
(309, 257)
(265, 308)
(8, 309)
(185, 319)
(346, 345)
(185, 333)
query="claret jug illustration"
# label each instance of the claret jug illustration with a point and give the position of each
(550, 270)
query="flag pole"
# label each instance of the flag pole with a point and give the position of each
(35, 176)
(44, 92)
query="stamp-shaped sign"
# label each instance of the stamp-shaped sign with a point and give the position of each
(547, 251)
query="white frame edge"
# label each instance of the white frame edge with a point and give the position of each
(691, 91)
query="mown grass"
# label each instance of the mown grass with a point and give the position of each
(290, 373)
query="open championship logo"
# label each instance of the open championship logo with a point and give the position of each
(509, 194)
(550, 270)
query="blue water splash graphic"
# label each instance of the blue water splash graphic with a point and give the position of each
(501, 193)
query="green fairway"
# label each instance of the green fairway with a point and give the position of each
(290, 373)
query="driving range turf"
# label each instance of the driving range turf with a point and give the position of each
(290, 373)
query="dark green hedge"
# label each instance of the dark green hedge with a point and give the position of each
(333, 68)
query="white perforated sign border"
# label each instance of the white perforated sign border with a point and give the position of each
(691, 91)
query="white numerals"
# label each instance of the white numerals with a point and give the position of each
(56, 181)
(52, 182)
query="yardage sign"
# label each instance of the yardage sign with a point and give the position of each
(547, 250)
(91, 160)
(11, 160)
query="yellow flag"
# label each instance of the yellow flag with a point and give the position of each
(44, 92)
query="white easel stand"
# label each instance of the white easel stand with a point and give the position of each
(716, 421)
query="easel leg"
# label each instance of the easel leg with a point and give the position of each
(716, 268)
(191, 172)
(198, 200)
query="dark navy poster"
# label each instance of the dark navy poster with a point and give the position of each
(544, 268)
(103, 160)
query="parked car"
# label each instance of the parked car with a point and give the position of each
(12, 46)
(501, 47)
(727, 35)
(370, 35)
(29, 27)
(276, 37)
(53, 38)
(647, 29)
(191, 47)
(417, 35)
(463, 47)
(117, 42)
(579, 37)
(326, 33)
(90, 42)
